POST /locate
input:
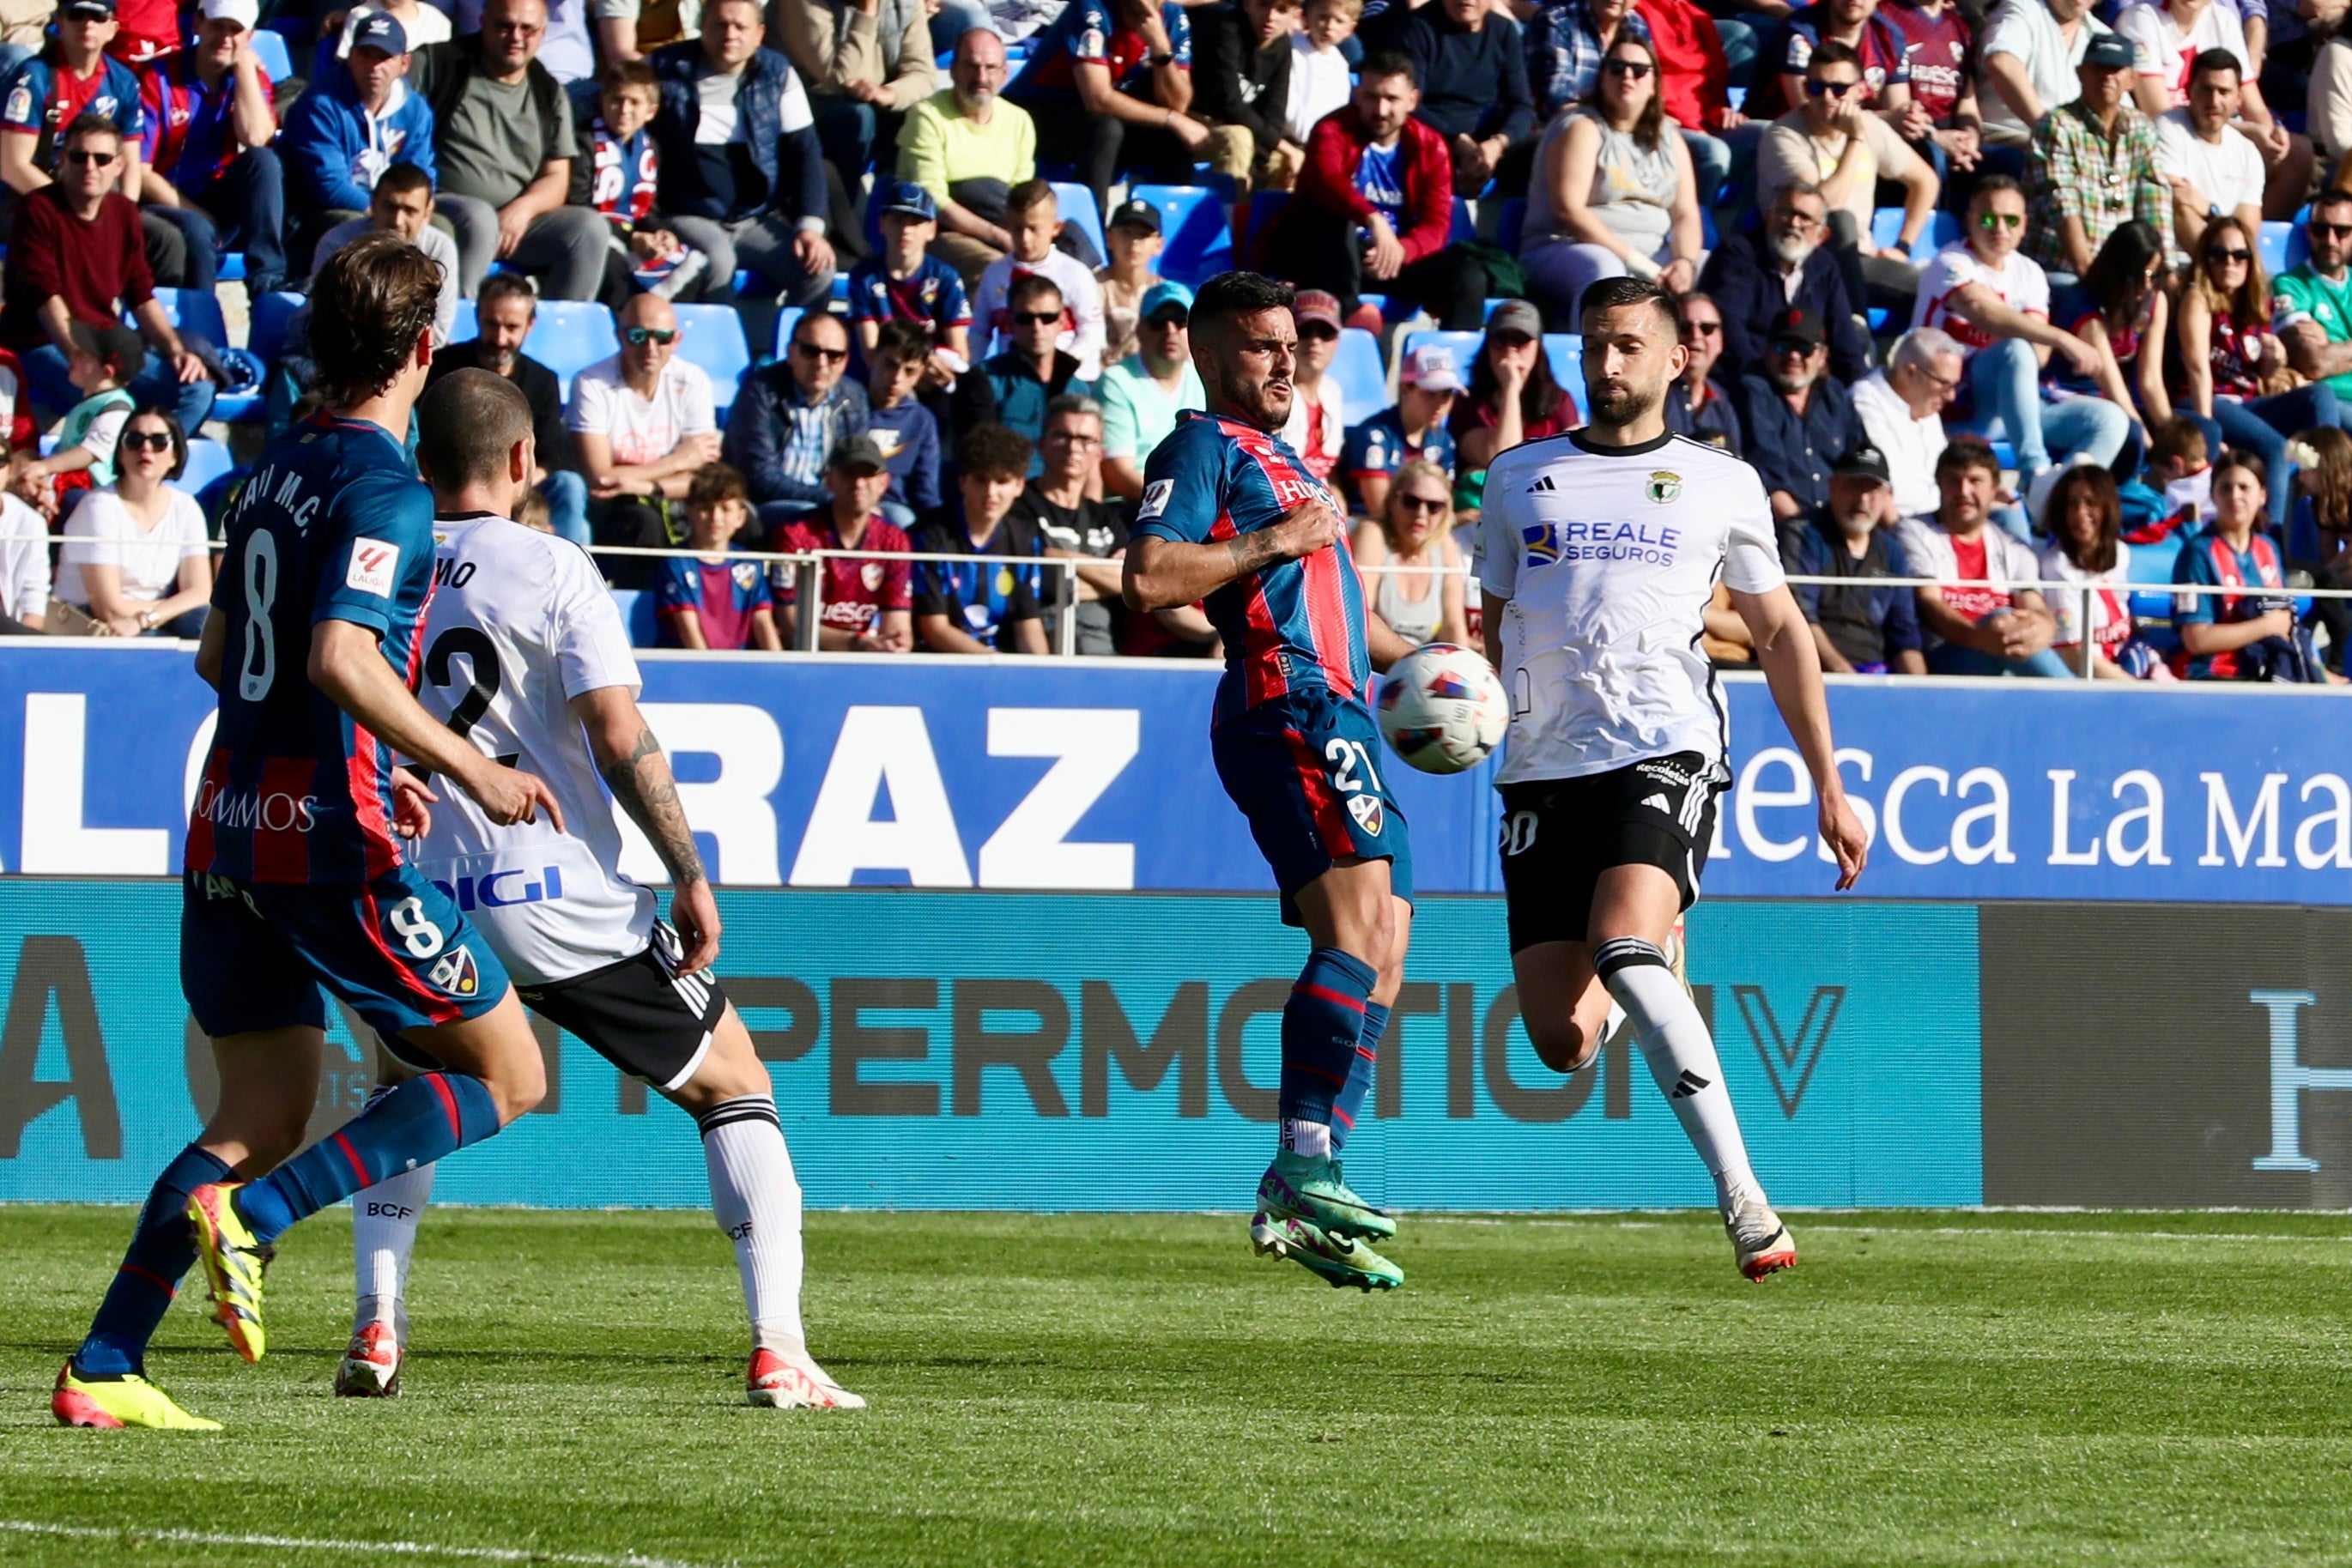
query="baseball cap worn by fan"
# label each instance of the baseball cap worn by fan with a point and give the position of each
(1795, 325)
(1431, 367)
(905, 196)
(857, 451)
(1517, 317)
(245, 14)
(1160, 296)
(2109, 52)
(87, 10)
(1865, 462)
(1315, 305)
(1136, 214)
(378, 30)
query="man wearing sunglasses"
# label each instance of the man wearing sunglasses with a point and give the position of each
(2314, 301)
(1696, 406)
(642, 423)
(1032, 369)
(1143, 396)
(788, 418)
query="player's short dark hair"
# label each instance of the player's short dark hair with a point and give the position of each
(994, 452)
(1963, 452)
(1387, 63)
(2215, 60)
(906, 340)
(403, 178)
(713, 485)
(371, 303)
(1618, 293)
(467, 426)
(1032, 286)
(500, 285)
(1232, 294)
(1830, 52)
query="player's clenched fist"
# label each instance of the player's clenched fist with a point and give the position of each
(1306, 528)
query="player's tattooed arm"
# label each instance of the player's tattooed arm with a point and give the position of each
(1163, 573)
(641, 780)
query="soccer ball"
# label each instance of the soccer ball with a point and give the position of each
(1442, 708)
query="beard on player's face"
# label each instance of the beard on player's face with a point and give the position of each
(1624, 402)
(1259, 396)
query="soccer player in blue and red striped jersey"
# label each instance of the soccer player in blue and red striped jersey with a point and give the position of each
(293, 878)
(208, 123)
(1230, 516)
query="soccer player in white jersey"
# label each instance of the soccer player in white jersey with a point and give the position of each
(1600, 551)
(526, 655)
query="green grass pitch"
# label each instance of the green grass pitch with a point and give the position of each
(1957, 1388)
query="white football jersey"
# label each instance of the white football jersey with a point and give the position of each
(1609, 557)
(520, 624)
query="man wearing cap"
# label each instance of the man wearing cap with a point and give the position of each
(1427, 384)
(1142, 396)
(209, 123)
(1318, 427)
(1032, 369)
(2092, 165)
(1798, 420)
(1134, 240)
(352, 125)
(502, 141)
(869, 600)
(72, 75)
(968, 148)
(1857, 631)
(904, 282)
(788, 416)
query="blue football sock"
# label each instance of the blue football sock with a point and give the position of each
(1320, 1025)
(162, 1250)
(1350, 1103)
(414, 1124)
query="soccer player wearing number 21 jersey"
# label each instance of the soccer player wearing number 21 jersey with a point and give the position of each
(293, 879)
(1231, 514)
(1600, 551)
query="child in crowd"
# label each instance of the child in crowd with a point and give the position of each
(901, 427)
(84, 456)
(2178, 460)
(1135, 243)
(1320, 79)
(905, 283)
(708, 600)
(1033, 218)
(618, 173)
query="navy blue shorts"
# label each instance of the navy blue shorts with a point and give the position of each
(1305, 770)
(395, 950)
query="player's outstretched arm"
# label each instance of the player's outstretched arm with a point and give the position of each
(1784, 647)
(630, 759)
(1162, 573)
(346, 664)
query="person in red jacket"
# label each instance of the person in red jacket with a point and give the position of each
(1374, 208)
(1694, 85)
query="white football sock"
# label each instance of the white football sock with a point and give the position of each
(1298, 1137)
(383, 1232)
(1681, 1054)
(758, 1202)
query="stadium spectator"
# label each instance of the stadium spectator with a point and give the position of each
(2211, 165)
(1411, 562)
(502, 146)
(968, 148)
(869, 600)
(616, 170)
(743, 175)
(1567, 40)
(789, 416)
(1834, 139)
(1376, 202)
(902, 428)
(1612, 191)
(2249, 635)
(421, 23)
(568, 51)
(1072, 523)
(1241, 76)
(709, 600)
(401, 204)
(1943, 58)
(2313, 301)
(1109, 84)
(1427, 384)
(1035, 216)
(352, 125)
(1901, 409)
(2030, 49)
(970, 606)
(205, 147)
(1032, 371)
(865, 66)
(1862, 630)
(1880, 49)
(2084, 522)
(504, 315)
(2320, 542)
(1318, 428)
(1970, 626)
(1143, 396)
(25, 572)
(1799, 420)
(74, 255)
(2120, 309)
(2329, 119)
(1694, 81)
(1697, 405)
(135, 554)
(905, 283)
(1134, 241)
(84, 452)
(643, 425)
(2092, 165)
(146, 30)
(1754, 279)
(1995, 302)
(1470, 65)
(2169, 36)
(1321, 79)
(2177, 459)
(73, 76)
(1514, 397)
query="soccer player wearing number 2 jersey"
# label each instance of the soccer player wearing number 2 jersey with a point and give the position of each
(1600, 551)
(293, 879)
(1230, 516)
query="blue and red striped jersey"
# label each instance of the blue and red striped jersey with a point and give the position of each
(1089, 32)
(332, 526)
(1293, 625)
(189, 138)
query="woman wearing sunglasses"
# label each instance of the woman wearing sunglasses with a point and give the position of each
(136, 557)
(2229, 354)
(1421, 602)
(1613, 193)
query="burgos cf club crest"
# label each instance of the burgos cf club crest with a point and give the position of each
(1663, 487)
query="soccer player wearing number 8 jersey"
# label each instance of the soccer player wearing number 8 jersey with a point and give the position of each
(1601, 551)
(293, 879)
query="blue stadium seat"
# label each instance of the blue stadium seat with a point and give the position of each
(786, 319)
(1356, 369)
(2276, 239)
(640, 613)
(1515, 220)
(570, 336)
(712, 336)
(207, 461)
(1940, 230)
(1379, 302)
(232, 267)
(1076, 204)
(1565, 350)
(271, 312)
(463, 326)
(1463, 344)
(1264, 205)
(2150, 565)
(1199, 240)
(1464, 227)
(271, 53)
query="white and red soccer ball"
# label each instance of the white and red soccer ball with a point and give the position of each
(1442, 709)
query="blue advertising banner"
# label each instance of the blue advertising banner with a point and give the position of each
(813, 772)
(1034, 1052)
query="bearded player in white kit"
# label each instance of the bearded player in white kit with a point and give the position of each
(526, 655)
(1600, 550)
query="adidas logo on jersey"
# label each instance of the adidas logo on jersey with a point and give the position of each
(1659, 803)
(1543, 484)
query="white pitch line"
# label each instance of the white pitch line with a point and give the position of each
(370, 1548)
(1894, 1232)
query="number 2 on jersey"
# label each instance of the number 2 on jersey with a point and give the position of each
(483, 655)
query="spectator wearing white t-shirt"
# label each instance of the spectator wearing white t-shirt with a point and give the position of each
(2030, 49)
(24, 568)
(136, 556)
(2215, 168)
(1902, 413)
(2169, 39)
(1032, 219)
(1321, 80)
(643, 422)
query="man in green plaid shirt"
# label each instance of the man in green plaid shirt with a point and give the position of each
(2092, 165)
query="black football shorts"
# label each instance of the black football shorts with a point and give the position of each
(1559, 834)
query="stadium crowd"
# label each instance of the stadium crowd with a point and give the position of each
(1985, 296)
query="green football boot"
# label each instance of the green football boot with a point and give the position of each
(1310, 1188)
(1338, 1259)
